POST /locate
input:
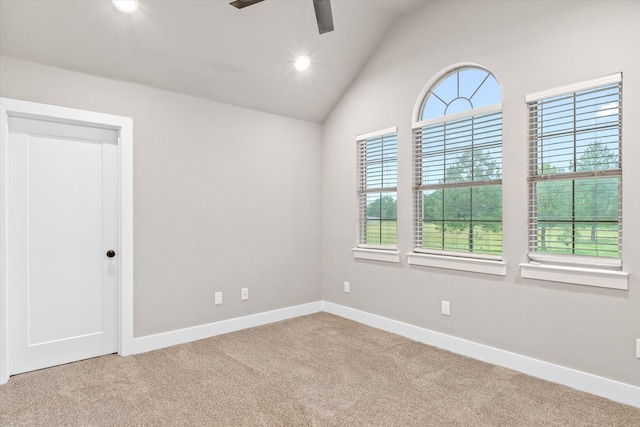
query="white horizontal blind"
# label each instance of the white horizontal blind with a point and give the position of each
(458, 185)
(576, 173)
(377, 190)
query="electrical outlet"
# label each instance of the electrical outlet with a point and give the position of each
(244, 294)
(446, 308)
(347, 288)
(218, 298)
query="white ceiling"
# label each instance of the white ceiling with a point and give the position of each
(208, 48)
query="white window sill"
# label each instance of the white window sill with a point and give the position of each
(376, 255)
(474, 265)
(576, 275)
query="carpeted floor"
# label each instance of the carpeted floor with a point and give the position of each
(317, 370)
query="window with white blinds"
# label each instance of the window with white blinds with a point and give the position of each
(458, 167)
(377, 189)
(575, 173)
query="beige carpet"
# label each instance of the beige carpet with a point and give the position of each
(317, 370)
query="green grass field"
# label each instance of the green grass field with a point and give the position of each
(382, 232)
(487, 241)
(559, 240)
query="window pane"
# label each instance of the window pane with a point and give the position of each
(434, 107)
(462, 151)
(578, 217)
(487, 94)
(458, 105)
(463, 219)
(380, 162)
(447, 89)
(381, 219)
(597, 156)
(571, 131)
(470, 81)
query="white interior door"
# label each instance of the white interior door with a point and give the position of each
(62, 216)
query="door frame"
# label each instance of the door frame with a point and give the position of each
(124, 126)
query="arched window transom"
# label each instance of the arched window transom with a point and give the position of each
(461, 90)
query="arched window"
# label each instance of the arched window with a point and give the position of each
(458, 165)
(460, 91)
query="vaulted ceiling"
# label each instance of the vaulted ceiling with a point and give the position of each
(206, 48)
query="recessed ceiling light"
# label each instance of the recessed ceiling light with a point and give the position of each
(302, 63)
(126, 6)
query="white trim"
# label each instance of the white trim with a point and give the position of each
(458, 254)
(377, 247)
(365, 136)
(576, 260)
(181, 336)
(599, 386)
(376, 254)
(575, 275)
(4, 246)
(125, 192)
(460, 263)
(574, 87)
(13, 107)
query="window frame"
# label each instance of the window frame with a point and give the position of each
(364, 249)
(534, 177)
(605, 272)
(459, 260)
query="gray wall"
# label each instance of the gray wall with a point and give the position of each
(224, 198)
(529, 46)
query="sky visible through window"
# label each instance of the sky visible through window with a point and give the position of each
(567, 128)
(465, 89)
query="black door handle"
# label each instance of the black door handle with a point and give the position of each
(111, 253)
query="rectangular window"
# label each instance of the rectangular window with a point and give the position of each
(458, 185)
(377, 189)
(575, 173)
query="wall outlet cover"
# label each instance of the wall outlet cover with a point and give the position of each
(446, 308)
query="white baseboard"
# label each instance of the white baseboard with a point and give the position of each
(599, 386)
(181, 336)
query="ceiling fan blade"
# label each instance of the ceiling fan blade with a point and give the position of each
(323, 15)
(244, 3)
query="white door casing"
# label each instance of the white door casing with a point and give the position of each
(108, 158)
(62, 212)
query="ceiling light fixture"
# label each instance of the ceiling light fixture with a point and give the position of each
(302, 63)
(126, 6)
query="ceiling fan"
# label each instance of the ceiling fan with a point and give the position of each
(322, 7)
